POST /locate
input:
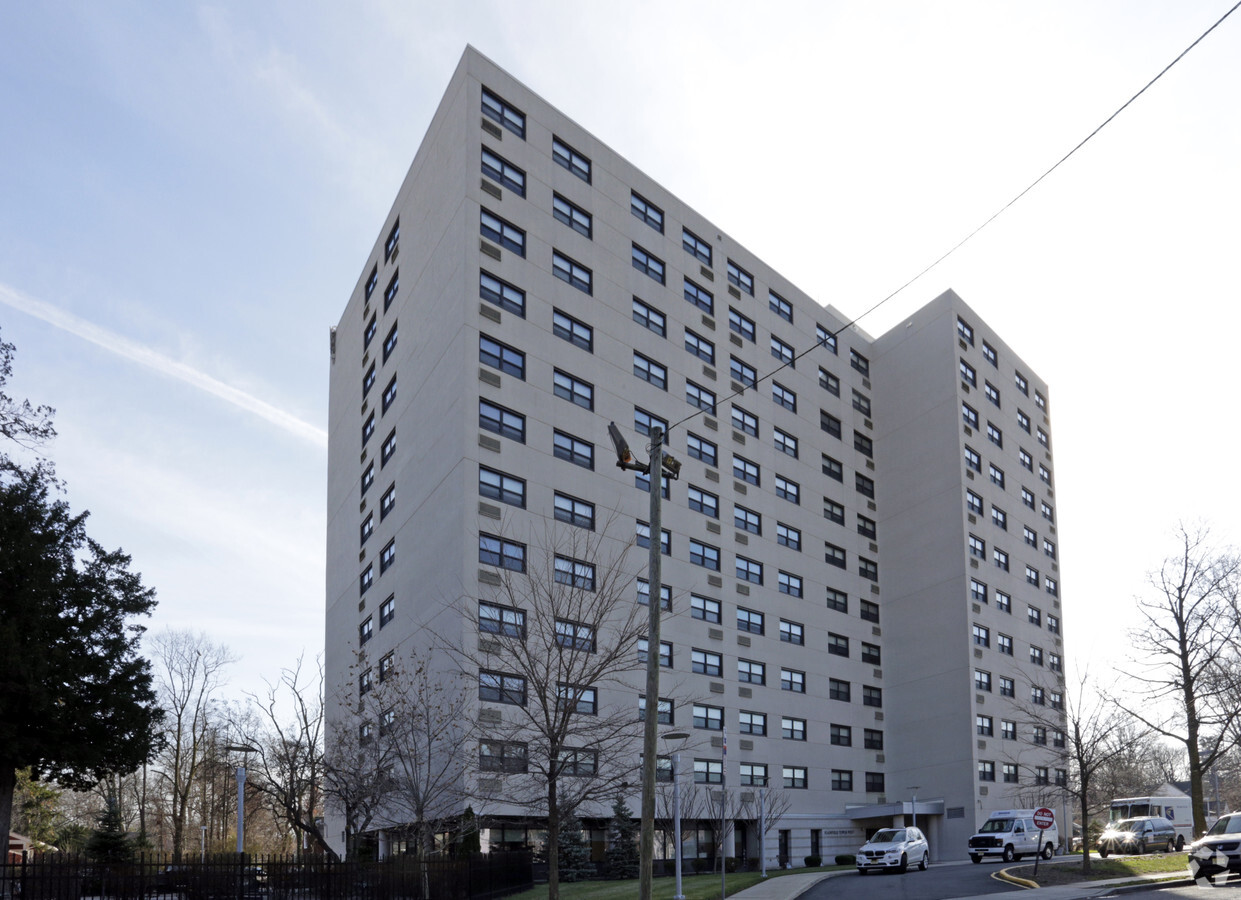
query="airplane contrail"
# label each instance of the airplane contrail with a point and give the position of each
(164, 365)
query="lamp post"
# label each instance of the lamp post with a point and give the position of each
(659, 463)
(243, 749)
(202, 844)
(914, 788)
(676, 808)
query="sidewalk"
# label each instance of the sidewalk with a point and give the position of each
(789, 887)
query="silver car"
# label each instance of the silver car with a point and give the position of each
(894, 848)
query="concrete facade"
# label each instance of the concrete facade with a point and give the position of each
(859, 520)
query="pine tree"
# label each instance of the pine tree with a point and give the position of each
(575, 864)
(110, 843)
(471, 842)
(622, 855)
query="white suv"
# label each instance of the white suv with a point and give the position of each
(894, 848)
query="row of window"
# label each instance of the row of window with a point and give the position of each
(1042, 774)
(1004, 643)
(966, 332)
(978, 550)
(985, 726)
(1008, 688)
(970, 417)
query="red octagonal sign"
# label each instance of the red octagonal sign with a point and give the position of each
(1044, 818)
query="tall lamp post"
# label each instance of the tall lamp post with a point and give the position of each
(659, 464)
(243, 749)
(914, 788)
(677, 736)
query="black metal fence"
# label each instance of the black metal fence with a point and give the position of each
(60, 877)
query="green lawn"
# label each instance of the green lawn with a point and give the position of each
(1067, 872)
(696, 887)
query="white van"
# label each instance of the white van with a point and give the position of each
(1177, 810)
(1011, 834)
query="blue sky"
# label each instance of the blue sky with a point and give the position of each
(188, 193)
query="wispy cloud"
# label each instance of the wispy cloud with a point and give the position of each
(164, 365)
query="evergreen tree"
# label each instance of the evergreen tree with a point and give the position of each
(574, 857)
(471, 842)
(109, 843)
(622, 855)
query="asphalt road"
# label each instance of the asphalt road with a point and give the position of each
(939, 882)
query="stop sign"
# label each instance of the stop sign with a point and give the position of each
(1044, 818)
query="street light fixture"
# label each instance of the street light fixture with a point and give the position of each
(243, 749)
(660, 464)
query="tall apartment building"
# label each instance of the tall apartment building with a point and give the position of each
(863, 557)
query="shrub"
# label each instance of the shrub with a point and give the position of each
(845, 859)
(814, 861)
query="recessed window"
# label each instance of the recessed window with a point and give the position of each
(1048, 513)
(1040, 401)
(643, 535)
(972, 460)
(868, 568)
(708, 771)
(368, 334)
(986, 770)
(825, 338)
(574, 511)
(989, 354)
(387, 610)
(978, 591)
(1027, 497)
(705, 662)
(575, 450)
(867, 527)
(503, 172)
(833, 468)
(779, 306)
(749, 570)
(792, 729)
(497, 355)
(501, 687)
(744, 470)
(704, 502)
(576, 391)
(982, 635)
(973, 502)
(505, 113)
(788, 536)
(502, 421)
(1001, 559)
(367, 527)
(787, 489)
(665, 652)
(753, 774)
(568, 213)
(830, 424)
(982, 681)
(704, 608)
(393, 242)
(500, 486)
(702, 449)
(837, 644)
(969, 415)
(751, 672)
(572, 635)
(649, 317)
(647, 263)
(999, 518)
(365, 631)
(704, 555)
(502, 294)
(502, 232)
(387, 502)
(978, 547)
(739, 277)
(792, 632)
(650, 371)
(644, 594)
(645, 423)
(391, 290)
(575, 162)
(494, 550)
(368, 428)
(997, 475)
(372, 282)
(745, 421)
(785, 442)
(782, 396)
(968, 375)
(871, 654)
(1024, 421)
(695, 246)
(742, 372)
(793, 680)
(994, 435)
(992, 393)
(965, 331)
(873, 739)
(782, 351)
(863, 444)
(699, 296)
(741, 324)
(838, 690)
(1004, 643)
(368, 380)
(698, 396)
(747, 519)
(647, 211)
(575, 573)
(838, 600)
(699, 346)
(510, 757)
(1022, 384)
(859, 362)
(572, 272)
(834, 556)
(1003, 602)
(861, 403)
(984, 726)
(790, 584)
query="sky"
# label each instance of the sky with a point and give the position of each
(189, 193)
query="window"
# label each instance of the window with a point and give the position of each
(740, 324)
(704, 555)
(699, 346)
(502, 294)
(663, 712)
(790, 584)
(862, 444)
(986, 770)
(698, 396)
(1038, 699)
(566, 156)
(744, 420)
(982, 635)
(965, 331)
(793, 680)
(365, 681)
(1024, 421)
(695, 246)
(973, 502)
(644, 537)
(1040, 401)
(650, 371)
(571, 214)
(754, 774)
(872, 696)
(578, 762)
(502, 421)
(704, 608)
(497, 551)
(788, 490)
(833, 468)
(387, 556)
(740, 278)
(368, 428)
(387, 502)
(837, 644)
(842, 779)
(1010, 773)
(744, 470)
(575, 636)
(501, 687)
(502, 232)
(969, 415)
(992, 393)
(779, 306)
(389, 395)
(994, 435)
(865, 486)
(795, 777)
(1057, 700)
(701, 448)
(576, 391)
(741, 372)
(842, 735)
(1004, 644)
(647, 211)
(868, 610)
(751, 672)
(390, 342)
(503, 620)
(1008, 730)
(1048, 513)
(984, 726)
(785, 442)
(709, 717)
(508, 116)
(837, 600)
(749, 570)
(1057, 739)
(572, 272)
(829, 423)
(861, 403)
(978, 547)
(368, 477)
(782, 396)
(872, 739)
(972, 460)
(982, 680)
(371, 282)
(708, 771)
(792, 632)
(782, 351)
(1044, 474)
(503, 172)
(393, 241)
(997, 475)
(1001, 558)
(968, 375)
(368, 380)
(646, 263)
(792, 729)
(646, 423)
(699, 296)
(387, 610)
(1042, 436)
(368, 527)
(1027, 461)
(704, 502)
(499, 486)
(978, 591)
(365, 631)
(574, 572)
(1053, 624)
(500, 356)
(788, 536)
(369, 333)
(574, 511)
(1027, 497)
(1032, 575)
(1022, 384)
(1036, 655)
(989, 354)
(834, 556)
(838, 690)
(644, 594)
(575, 450)
(649, 317)
(825, 338)
(1008, 687)
(859, 362)
(871, 654)
(503, 756)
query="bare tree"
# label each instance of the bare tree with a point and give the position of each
(1187, 655)
(767, 814)
(554, 662)
(285, 726)
(24, 424)
(189, 669)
